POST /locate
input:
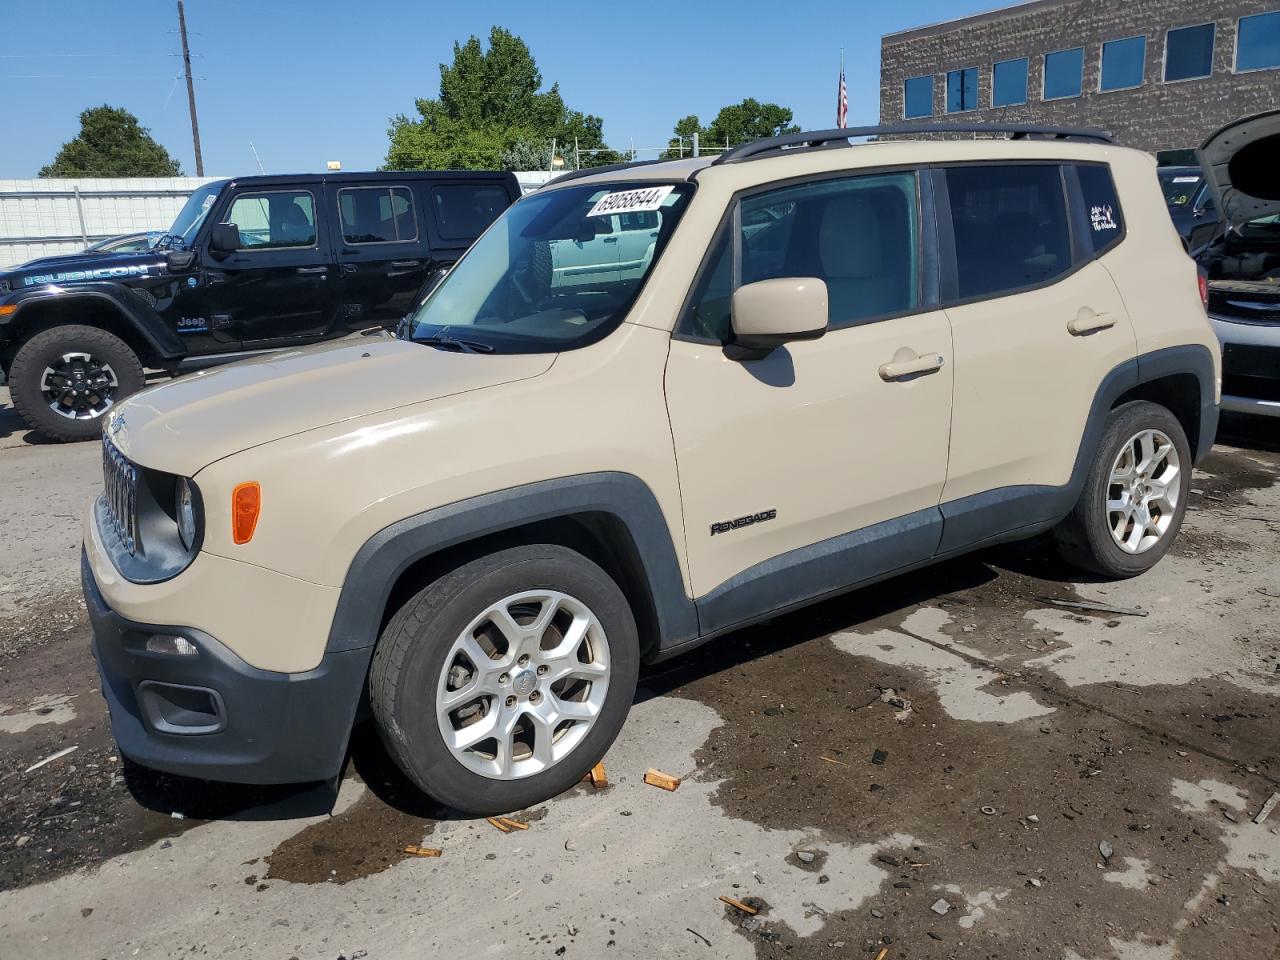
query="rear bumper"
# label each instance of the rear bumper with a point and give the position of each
(214, 716)
(1250, 366)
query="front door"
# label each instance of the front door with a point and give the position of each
(278, 288)
(383, 256)
(821, 438)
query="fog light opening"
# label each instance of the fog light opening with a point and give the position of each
(173, 646)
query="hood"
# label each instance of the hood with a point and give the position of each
(84, 267)
(186, 424)
(1242, 162)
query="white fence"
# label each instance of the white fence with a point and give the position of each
(40, 218)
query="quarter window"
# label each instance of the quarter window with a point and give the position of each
(377, 215)
(1063, 73)
(1009, 83)
(918, 97)
(1122, 63)
(463, 212)
(1101, 205)
(1010, 225)
(858, 235)
(1258, 42)
(1188, 52)
(284, 218)
(962, 90)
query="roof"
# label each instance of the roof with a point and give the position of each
(398, 176)
(1022, 8)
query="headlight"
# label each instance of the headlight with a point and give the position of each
(185, 510)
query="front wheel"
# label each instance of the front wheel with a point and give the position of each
(502, 683)
(1135, 494)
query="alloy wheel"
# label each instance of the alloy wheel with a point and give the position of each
(78, 386)
(1143, 491)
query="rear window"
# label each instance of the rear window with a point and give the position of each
(464, 211)
(1011, 228)
(377, 215)
(1101, 204)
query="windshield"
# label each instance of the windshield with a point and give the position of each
(557, 270)
(1180, 186)
(192, 215)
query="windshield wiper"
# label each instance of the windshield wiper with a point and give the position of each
(444, 342)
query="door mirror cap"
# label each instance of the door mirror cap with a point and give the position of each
(224, 240)
(768, 313)
(179, 261)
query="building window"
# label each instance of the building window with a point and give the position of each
(1188, 52)
(1258, 42)
(918, 97)
(1063, 73)
(1122, 63)
(962, 90)
(1009, 83)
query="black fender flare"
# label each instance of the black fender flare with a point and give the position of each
(379, 563)
(133, 312)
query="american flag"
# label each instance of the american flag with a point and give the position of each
(842, 99)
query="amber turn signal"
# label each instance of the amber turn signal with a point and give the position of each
(246, 502)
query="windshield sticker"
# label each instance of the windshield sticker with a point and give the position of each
(630, 201)
(1103, 218)
(1186, 179)
(208, 201)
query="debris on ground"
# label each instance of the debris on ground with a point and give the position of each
(941, 907)
(1268, 807)
(597, 776)
(988, 810)
(52, 757)
(1096, 607)
(894, 699)
(698, 935)
(739, 905)
(879, 757)
(513, 824)
(498, 824)
(1106, 849)
(833, 760)
(656, 778)
(884, 952)
(417, 851)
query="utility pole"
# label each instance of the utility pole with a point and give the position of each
(191, 90)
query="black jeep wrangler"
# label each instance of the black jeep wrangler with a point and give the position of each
(249, 265)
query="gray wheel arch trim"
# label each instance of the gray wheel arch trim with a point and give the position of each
(387, 554)
(144, 321)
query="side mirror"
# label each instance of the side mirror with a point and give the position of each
(224, 240)
(769, 313)
(180, 261)
(586, 231)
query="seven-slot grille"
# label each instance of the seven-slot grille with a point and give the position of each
(120, 480)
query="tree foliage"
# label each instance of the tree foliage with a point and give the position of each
(490, 102)
(111, 143)
(735, 124)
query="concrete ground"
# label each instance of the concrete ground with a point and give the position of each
(1052, 782)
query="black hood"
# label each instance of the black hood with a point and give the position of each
(75, 268)
(1242, 162)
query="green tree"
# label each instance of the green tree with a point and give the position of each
(489, 101)
(111, 143)
(735, 124)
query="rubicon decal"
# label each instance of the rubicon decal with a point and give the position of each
(724, 526)
(79, 276)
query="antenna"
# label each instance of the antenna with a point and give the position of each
(191, 90)
(257, 158)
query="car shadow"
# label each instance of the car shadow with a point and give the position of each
(1248, 432)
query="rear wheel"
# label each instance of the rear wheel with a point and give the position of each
(502, 683)
(1135, 494)
(64, 380)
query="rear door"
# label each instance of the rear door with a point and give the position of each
(278, 288)
(383, 255)
(637, 234)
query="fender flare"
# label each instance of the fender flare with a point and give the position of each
(133, 312)
(387, 554)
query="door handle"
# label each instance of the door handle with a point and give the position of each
(1086, 321)
(313, 270)
(404, 264)
(906, 363)
(610, 240)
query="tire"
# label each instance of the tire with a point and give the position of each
(109, 373)
(1086, 539)
(418, 661)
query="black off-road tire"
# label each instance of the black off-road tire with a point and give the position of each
(412, 650)
(1084, 538)
(45, 348)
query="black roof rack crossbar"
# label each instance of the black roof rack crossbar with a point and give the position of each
(819, 138)
(592, 171)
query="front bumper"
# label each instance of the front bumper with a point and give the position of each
(1250, 366)
(214, 716)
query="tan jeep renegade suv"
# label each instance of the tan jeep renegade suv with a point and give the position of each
(650, 405)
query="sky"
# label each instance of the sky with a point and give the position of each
(309, 81)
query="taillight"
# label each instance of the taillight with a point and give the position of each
(1204, 290)
(246, 503)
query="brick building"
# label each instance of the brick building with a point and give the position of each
(1157, 74)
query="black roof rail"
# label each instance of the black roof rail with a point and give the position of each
(607, 168)
(822, 138)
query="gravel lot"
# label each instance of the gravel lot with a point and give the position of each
(1073, 784)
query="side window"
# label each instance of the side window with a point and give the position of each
(273, 220)
(377, 215)
(463, 211)
(1010, 226)
(1101, 205)
(644, 220)
(859, 235)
